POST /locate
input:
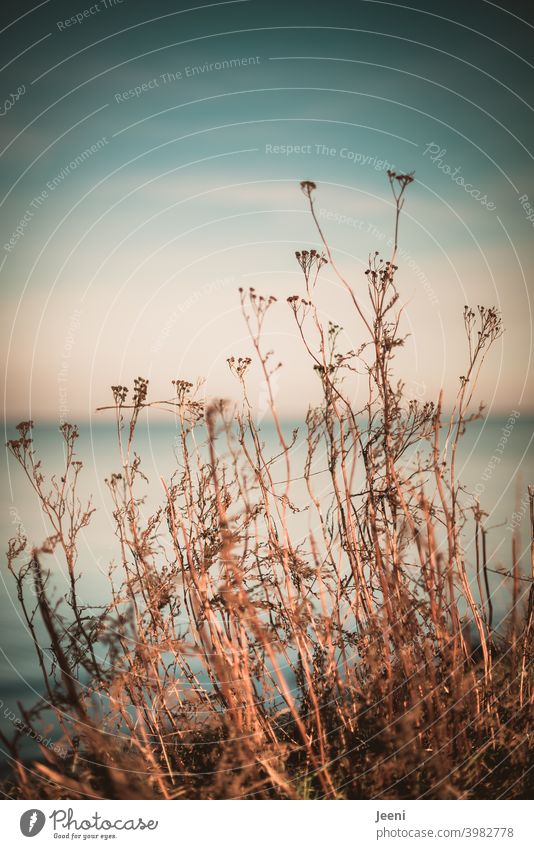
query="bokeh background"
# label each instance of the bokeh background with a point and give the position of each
(151, 156)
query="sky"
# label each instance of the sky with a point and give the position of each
(150, 162)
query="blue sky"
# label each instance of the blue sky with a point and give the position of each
(165, 200)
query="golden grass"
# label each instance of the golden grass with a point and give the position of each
(237, 658)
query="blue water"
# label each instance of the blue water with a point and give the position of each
(501, 487)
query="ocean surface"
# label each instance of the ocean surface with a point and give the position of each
(501, 486)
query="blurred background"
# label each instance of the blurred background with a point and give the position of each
(151, 157)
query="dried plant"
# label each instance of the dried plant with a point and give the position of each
(237, 656)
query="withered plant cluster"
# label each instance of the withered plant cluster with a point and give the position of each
(240, 657)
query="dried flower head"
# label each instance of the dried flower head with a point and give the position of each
(309, 261)
(140, 391)
(239, 366)
(308, 186)
(119, 394)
